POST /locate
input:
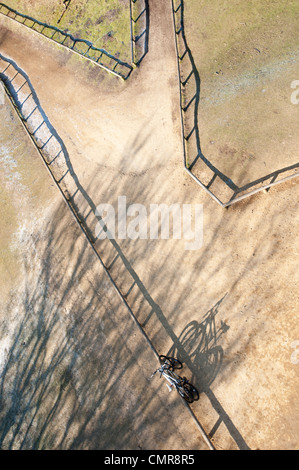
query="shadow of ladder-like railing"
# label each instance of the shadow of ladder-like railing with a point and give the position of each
(54, 155)
(237, 193)
(139, 26)
(84, 48)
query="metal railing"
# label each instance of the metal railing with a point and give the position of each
(237, 193)
(51, 148)
(139, 24)
(82, 47)
(139, 18)
(20, 91)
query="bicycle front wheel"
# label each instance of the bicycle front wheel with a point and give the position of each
(174, 363)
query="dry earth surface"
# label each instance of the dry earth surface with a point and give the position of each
(74, 370)
(228, 310)
(246, 54)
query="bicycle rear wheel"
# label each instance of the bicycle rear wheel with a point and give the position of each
(174, 363)
(192, 390)
(184, 392)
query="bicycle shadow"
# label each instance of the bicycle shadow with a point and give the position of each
(197, 345)
(198, 348)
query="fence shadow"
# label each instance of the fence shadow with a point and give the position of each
(190, 84)
(198, 165)
(197, 344)
(140, 28)
(82, 47)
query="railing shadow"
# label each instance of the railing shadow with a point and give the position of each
(140, 27)
(198, 165)
(54, 153)
(191, 105)
(81, 46)
(197, 345)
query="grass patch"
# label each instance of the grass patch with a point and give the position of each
(106, 24)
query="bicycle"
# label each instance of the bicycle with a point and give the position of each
(184, 388)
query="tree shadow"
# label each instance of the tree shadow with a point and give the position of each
(68, 380)
(197, 344)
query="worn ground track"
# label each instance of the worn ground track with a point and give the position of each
(56, 159)
(139, 13)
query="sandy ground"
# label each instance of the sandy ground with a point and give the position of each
(75, 373)
(246, 57)
(228, 309)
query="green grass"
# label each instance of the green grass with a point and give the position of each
(106, 23)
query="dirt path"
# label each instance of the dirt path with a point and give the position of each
(74, 371)
(228, 310)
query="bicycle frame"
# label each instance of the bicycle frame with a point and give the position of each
(171, 377)
(185, 389)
